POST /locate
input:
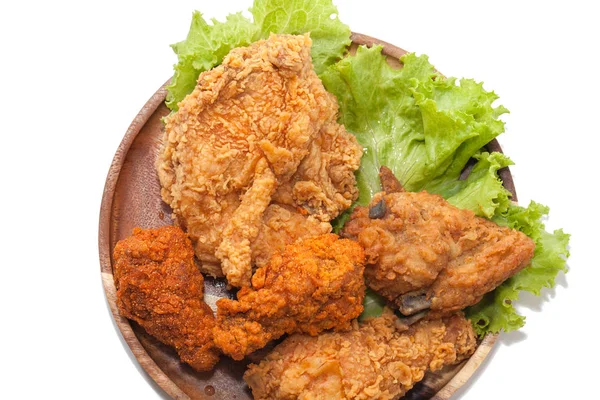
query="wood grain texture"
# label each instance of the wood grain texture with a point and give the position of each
(132, 198)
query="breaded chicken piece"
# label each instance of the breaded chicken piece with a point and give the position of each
(313, 285)
(408, 246)
(490, 255)
(423, 252)
(160, 288)
(241, 135)
(324, 184)
(375, 360)
(283, 225)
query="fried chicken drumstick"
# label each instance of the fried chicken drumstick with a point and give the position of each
(313, 285)
(257, 131)
(160, 288)
(425, 254)
(373, 361)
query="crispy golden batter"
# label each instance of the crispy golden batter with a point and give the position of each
(251, 130)
(405, 250)
(490, 255)
(283, 225)
(373, 361)
(422, 252)
(160, 288)
(324, 184)
(313, 285)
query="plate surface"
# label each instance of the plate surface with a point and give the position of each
(132, 199)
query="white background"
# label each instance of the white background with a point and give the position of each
(75, 74)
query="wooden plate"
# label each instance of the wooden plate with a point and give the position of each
(132, 198)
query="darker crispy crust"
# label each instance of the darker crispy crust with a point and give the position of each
(160, 288)
(313, 285)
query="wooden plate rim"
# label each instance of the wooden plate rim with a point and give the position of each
(104, 240)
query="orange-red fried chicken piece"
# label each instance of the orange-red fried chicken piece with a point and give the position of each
(424, 253)
(160, 288)
(313, 285)
(375, 360)
(243, 133)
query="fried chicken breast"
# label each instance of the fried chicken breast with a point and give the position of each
(313, 285)
(324, 184)
(424, 253)
(375, 360)
(258, 130)
(160, 288)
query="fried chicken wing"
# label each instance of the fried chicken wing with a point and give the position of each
(160, 288)
(259, 125)
(313, 285)
(376, 360)
(423, 253)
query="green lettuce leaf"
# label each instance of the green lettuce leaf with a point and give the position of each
(373, 305)
(329, 35)
(482, 191)
(204, 48)
(463, 112)
(413, 120)
(496, 312)
(207, 44)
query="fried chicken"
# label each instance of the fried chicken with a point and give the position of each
(313, 285)
(283, 225)
(260, 129)
(324, 184)
(423, 253)
(160, 288)
(375, 360)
